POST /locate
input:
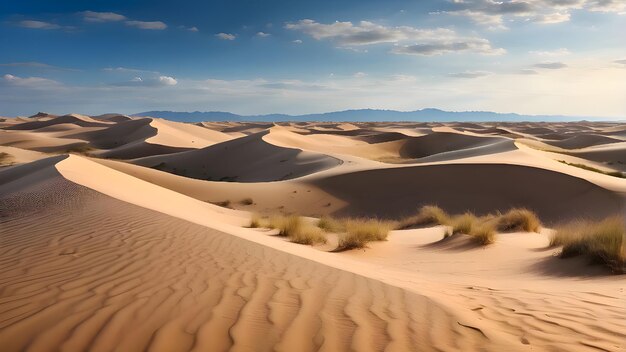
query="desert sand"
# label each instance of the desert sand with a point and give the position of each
(131, 234)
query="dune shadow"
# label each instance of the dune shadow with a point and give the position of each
(456, 243)
(579, 267)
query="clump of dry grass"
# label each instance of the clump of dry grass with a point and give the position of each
(291, 226)
(330, 224)
(246, 201)
(286, 225)
(604, 241)
(358, 232)
(257, 221)
(483, 233)
(427, 215)
(481, 229)
(518, 219)
(308, 234)
(463, 223)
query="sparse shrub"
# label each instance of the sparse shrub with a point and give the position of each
(361, 231)
(463, 223)
(224, 204)
(604, 241)
(518, 219)
(427, 215)
(483, 233)
(591, 168)
(256, 221)
(308, 234)
(330, 224)
(246, 201)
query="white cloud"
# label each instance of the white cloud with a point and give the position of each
(551, 65)
(167, 81)
(193, 29)
(226, 36)
(297, 41)
(32, 82)
(359, 74)
(157, 81)
(420, 41)
(152, 25)
(262, 34)
(38, 24)
(469, 74)
(550, 53)
(92, 16)
(493, 12)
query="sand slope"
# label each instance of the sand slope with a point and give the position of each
(246, 159)
(155, 282)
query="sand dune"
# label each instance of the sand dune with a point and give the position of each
(75, 119)
(101, 254)
(479, 188)
(246, 159)
(583, 141)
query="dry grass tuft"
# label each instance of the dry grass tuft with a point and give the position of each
(330, 224)
(308, 234)
(358, 232)
(483, 233)
(292, 227)
(604, 241)
(518, 219)
(427, 215)
(463, 223)
(246, 201)
(256, 221)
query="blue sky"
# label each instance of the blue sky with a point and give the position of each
(253, 57)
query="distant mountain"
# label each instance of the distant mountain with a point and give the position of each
(362, 115)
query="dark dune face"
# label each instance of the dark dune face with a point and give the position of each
(480, 188)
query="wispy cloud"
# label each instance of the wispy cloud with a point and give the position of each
(31, 82)
(37, 65)
(492, 13)
(422, 41)
(556, 52)
(152, 25)
(92, 16)
(550, 65)
(38, 25)
(262, 34)
(469, 74)
(226, 36)
(137, 81)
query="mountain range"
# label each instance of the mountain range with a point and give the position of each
(364, 115)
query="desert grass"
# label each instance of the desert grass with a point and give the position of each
(463, 223)
(603, 241)
(591, 168)
(359, 232)
(294, 227)
(308, 234)
(330, 224)
(5, 159)
(518, 219)
(482, 230)
(246, 201)
(483, 233)
(427, 215)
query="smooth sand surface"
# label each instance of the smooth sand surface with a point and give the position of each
(106, 255)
